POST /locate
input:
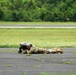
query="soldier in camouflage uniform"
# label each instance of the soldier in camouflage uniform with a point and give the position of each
(28, 48)
(36, 50)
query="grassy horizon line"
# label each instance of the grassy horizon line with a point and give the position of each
(37, 23)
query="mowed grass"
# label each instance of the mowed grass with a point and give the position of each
(46, 37)
(37, 23)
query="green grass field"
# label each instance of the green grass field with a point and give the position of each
(38, 23)
(46, 37)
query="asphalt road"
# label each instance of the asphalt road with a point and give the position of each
(12, 63)
(38, 26)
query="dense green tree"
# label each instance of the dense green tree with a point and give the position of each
(7, 15)
(38, 10)
(1, 14)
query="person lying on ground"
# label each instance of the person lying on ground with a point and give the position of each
(36, 50)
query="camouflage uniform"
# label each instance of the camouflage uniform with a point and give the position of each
(36, 50)
(24, 46)
(28, 48)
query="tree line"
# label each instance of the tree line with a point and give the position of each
(38, 10)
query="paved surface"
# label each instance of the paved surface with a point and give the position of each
(38, 26)
(12, 63)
